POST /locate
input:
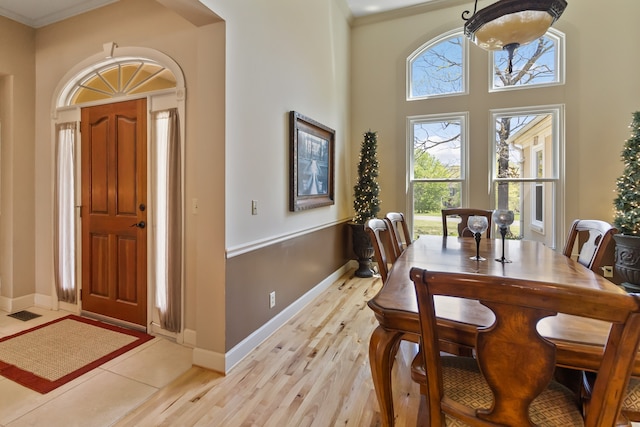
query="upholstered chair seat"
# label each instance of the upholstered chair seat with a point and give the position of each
(463, 383)
(631, 401)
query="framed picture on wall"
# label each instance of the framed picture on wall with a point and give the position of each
(311, 171)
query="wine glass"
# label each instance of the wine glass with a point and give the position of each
(477, 224)
(503, 218)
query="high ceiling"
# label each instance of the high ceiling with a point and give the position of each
(369, 7)
(38, 13)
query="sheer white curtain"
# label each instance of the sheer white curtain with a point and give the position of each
(64, 222)
(166, 233)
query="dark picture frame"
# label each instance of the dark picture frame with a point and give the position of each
(311, 171)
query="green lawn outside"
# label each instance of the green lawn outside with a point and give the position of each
(431, 223)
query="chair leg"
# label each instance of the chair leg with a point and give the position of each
(423, 409)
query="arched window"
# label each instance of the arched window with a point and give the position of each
(438, 67)
(119, 78)
(539, 63)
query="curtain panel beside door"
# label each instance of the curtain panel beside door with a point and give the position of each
(64, 213)
(166, 213)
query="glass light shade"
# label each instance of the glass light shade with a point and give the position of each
(512, 22)
(517, 28)
(503, 217)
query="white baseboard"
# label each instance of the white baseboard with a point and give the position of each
(5, 304)
(209, 359)
(12, 305)
(225, 362)
(44, 301)
(72, 308)
(189, 338)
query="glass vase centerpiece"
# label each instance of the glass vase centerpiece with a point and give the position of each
(503, 218)
(477, 224)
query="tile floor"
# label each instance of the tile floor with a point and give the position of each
(98, 398)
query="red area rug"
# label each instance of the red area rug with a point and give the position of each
(50, 355)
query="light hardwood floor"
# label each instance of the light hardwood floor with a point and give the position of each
(314, 371)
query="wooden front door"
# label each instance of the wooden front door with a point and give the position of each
(114, 214)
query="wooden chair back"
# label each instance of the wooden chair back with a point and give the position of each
(464, 214)
(399, 231)
(593, 238)
(514, 359)
(380, 234)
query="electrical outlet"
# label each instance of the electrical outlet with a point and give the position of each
(272, 299)
(254, 207)
(608, 271)
(194, 206)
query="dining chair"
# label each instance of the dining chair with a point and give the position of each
(593, 240)
(464, 214)
(510, 382)
(399, 231)
(380, 234)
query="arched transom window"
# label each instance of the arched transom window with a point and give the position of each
(122, 78)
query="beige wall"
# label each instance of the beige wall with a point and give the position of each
(17, 97)
(601, 91)
(282, 55)
(200, 53)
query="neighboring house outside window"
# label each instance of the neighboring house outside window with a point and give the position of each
(534, 171)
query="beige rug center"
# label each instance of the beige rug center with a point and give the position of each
(58, 349)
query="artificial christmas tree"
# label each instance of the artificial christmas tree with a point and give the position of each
(366, 202)
(627, 211)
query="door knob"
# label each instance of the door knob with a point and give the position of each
(140, 224)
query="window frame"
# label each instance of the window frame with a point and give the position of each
(463, 180)
(458, 32)
(537, 225)
(557, 175)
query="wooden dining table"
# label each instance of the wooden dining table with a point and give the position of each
(579, 341)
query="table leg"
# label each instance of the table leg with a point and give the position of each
(383, 347)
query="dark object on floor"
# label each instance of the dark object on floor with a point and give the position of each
(24, 315)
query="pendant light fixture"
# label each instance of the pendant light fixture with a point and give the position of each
(508, 24)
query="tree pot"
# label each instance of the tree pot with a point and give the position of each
(362, 248)
(627, 256)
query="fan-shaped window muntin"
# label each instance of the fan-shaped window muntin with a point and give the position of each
(120, 79)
